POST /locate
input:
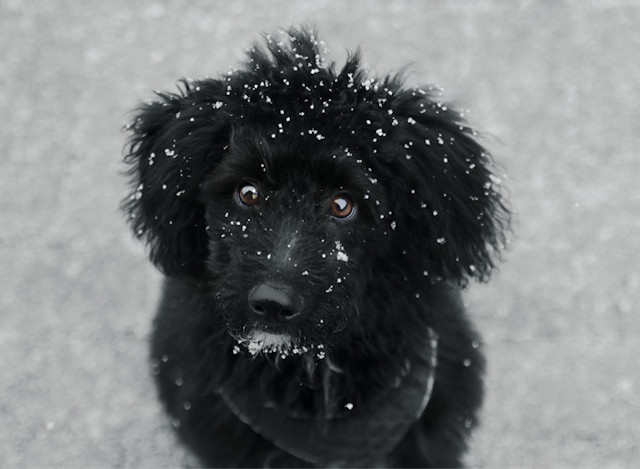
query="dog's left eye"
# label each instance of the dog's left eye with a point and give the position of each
(342, 206)
(247, 194)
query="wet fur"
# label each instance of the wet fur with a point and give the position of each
(429, 218)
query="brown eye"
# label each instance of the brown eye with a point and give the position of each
(342, 206)
(248, 194)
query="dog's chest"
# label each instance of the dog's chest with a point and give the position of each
(352, 436)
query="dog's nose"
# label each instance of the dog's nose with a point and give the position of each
(274, 302)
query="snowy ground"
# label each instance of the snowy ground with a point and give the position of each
(554, 86)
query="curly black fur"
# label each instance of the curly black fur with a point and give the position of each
(367, 290)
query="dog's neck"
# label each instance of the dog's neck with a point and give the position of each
(358, 427)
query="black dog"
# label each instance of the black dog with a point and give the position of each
(315, 227)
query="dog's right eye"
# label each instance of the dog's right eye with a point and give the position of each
(248, 194)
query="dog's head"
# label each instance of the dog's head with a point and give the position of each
(294, 188)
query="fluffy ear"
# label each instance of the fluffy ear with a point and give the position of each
(445, 189)
(176, 140)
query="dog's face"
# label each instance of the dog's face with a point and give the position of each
(290, 187)
(293, 227)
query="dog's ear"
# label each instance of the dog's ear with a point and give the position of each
(176, 140)
(446, 189)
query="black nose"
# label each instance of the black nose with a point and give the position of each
(273, 301)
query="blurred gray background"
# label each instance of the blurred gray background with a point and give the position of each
(554, 86)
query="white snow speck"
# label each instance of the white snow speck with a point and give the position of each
(341, 255)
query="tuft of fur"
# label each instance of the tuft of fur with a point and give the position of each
(370, 290)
